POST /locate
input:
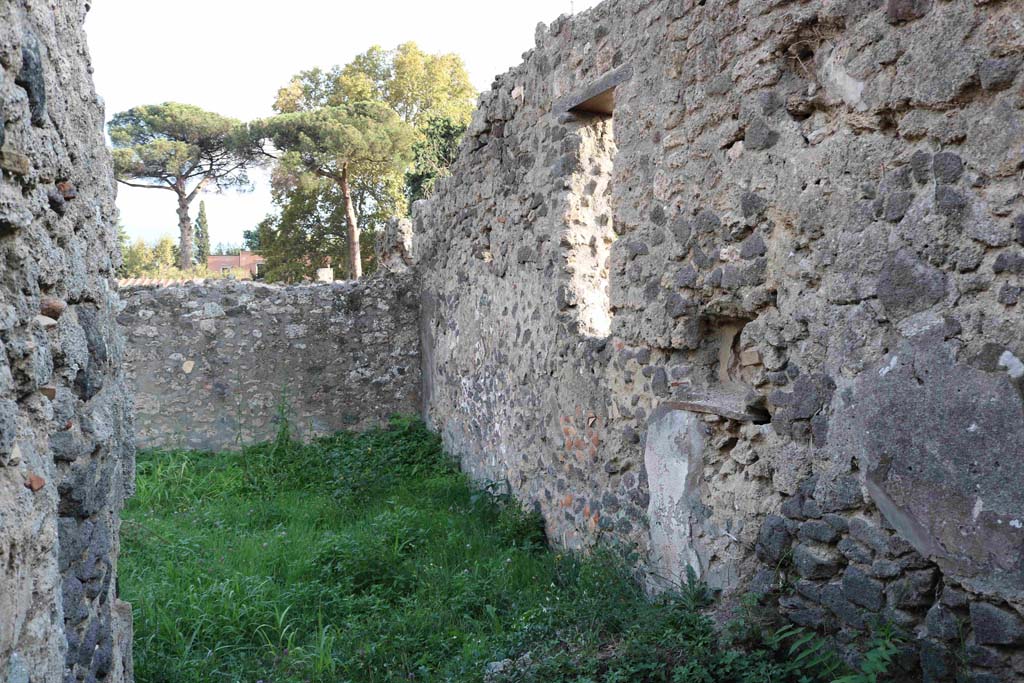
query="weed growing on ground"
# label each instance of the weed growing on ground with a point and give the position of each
(370, 557)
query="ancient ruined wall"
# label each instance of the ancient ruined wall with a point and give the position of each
(66, 455)
(211, 363)
(807, 221)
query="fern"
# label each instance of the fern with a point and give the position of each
(806, 652)
(877, 660)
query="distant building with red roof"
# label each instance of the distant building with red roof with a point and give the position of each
(246, 260)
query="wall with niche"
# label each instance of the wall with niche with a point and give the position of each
(818, 224)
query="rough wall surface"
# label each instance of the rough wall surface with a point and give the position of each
(739, 281)
(211, 363)
(66, 455)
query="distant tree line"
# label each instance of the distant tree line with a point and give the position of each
(351, 147)
(139, 259)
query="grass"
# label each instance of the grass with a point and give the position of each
(370, 557)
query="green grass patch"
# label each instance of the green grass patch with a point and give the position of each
(370, 557)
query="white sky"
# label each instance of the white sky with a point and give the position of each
(231, 56)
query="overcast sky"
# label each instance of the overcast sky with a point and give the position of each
(231, 56)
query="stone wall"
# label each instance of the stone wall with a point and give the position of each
(211, 363)
(66, 454)
(739, 282)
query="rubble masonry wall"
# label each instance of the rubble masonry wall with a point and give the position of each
(739, 282)
(66, 450)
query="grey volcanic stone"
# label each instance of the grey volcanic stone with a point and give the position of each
(949, 200)
(916, 589)
(995, 626)
(1008, 263)
(773, 541)
(855, 552)
(942, 623)
(1009, 294)
(921, 165)
(956, 419)
(938, 662)
(948, 167)
(886, 569)
(849, 614)
(31, 79)
(753, 247)
(843, 493)
(897, 11)
(8, 429)
(811, 393)
(659, 383)
(760, 136)
(869, 534)
(984, 656)
(907, 285)
(817, 530)
(707, 222)
(954, 598)
(998, 74)
(896, 206)
(860, 589)
(752, 205)
(815, 562)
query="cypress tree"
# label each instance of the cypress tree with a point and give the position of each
(202, 235)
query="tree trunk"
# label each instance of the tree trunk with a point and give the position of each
(355, 259)
(185, 227)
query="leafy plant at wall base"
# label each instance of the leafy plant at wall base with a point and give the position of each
(806, 650)
(878, 659)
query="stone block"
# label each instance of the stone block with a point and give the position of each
(942, 623)
(819, 531)
(759, 136)
(849, 614)
(996, 626)
(899, 11)
(999, 74)
(938, 662)
(773, 540)
(914, 590)
(908, 285)
(948, 167)
(970, 412)
(840, 493)
(861, 589)
(815, 562)
(865, 532)
(31, 79)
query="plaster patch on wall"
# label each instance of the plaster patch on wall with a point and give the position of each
(1013, 365)
(673, 458)
(840, 83)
